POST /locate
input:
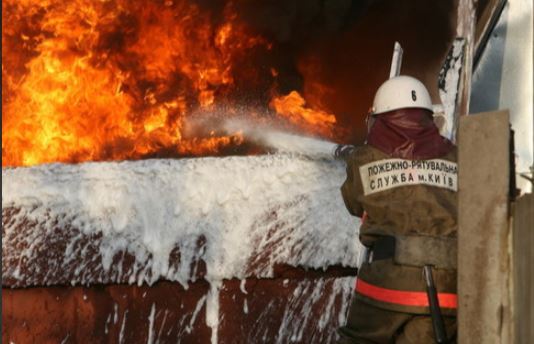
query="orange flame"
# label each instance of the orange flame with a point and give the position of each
(109, 80)
(292, 106)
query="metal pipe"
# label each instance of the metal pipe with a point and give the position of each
(438, 324)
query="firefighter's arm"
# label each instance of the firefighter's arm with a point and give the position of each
(351, 189)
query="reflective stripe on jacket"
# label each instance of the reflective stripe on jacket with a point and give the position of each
(401, 297)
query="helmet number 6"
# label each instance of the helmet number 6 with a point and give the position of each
(414, 96)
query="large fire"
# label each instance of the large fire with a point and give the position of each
(118, 79)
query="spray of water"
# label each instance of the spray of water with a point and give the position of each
(264, 132)
(282, 141)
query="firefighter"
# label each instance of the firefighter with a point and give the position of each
(403, 184)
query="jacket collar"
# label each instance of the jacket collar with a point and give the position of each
(408, 133)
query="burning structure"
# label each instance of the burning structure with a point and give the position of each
(239, 246)
(115, 80)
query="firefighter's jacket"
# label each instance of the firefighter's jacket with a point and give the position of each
(402, 198)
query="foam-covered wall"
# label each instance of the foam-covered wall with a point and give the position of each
(190, 223)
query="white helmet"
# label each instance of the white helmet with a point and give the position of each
(401, 92)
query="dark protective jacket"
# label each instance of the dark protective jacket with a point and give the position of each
(403, 198)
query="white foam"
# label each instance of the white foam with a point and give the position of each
(253, 212)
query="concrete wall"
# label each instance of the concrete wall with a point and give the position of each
(484, 270)
(523, 256)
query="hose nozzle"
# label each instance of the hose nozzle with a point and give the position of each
(342, 152)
